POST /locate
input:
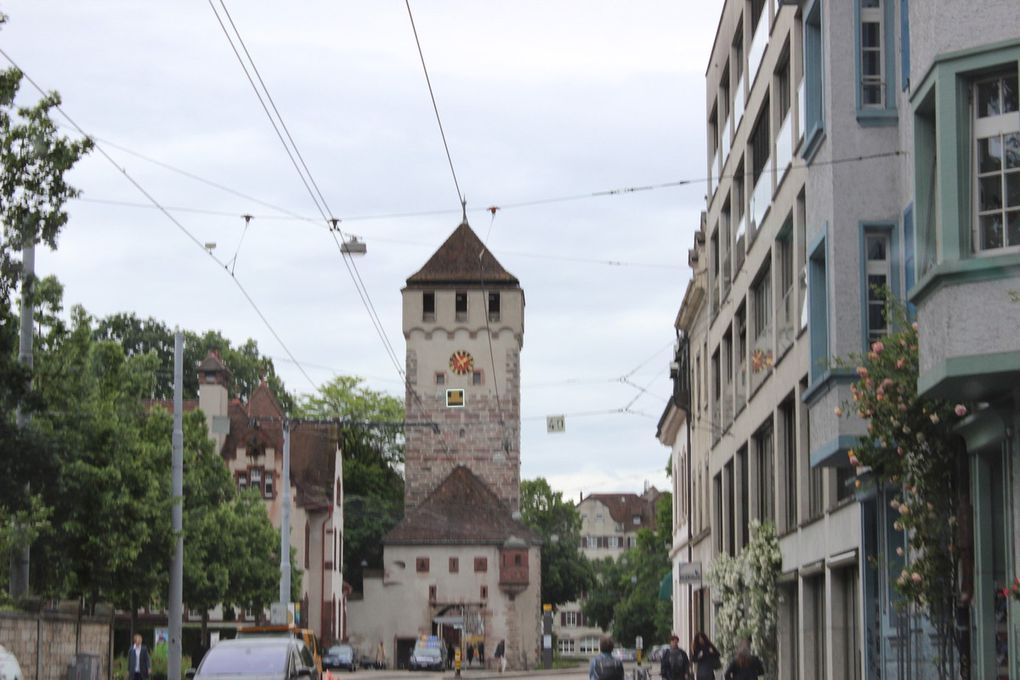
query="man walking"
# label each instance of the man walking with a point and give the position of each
(138, 660)
(674, 665)
(605, 666)
(501, 655)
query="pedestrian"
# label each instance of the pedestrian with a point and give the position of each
(674, 664)
(471, 654)
(706, 656)
(501, 655)
(138, 660)
(450, 659)
(605, 666)
(481, 653)
(380, 655)
(745, 665)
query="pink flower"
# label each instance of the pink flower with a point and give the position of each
(862, 371)
(877, 347)
(960, 410)
(887, 383)
(899, 551)
(900, 363)
(873, 356)
(904, 509)
(838, 411)
(914, 325)
(916, 577)
(934, 418)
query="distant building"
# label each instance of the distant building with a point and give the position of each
(249, 437)
(609, 526)
(461, 564)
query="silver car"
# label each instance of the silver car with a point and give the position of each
(256, 658)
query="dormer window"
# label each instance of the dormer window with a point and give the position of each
(460, 305)
(428, 306)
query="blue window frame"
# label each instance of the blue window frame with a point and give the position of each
(814, 120)
(876, 72)
(879, 270)
(905, 44)
(818, 309)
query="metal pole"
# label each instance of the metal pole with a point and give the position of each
(20, 560)
(285, 520)
(176, 513)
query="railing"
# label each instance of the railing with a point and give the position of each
(785, 331)
(758, 44)
(761, 198)
(738, 103)
(784, 147)
(801, 110)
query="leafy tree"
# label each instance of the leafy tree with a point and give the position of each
(372, 446)
(566, 573)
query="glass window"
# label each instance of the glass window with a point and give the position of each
(268, 485)
(428, 306)
(494, 306)
(872, 61)
(878, 280)
(997, 163)
(460, 305)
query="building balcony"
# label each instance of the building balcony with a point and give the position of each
(738, 105)
(739, 249)
(759, 42)
(784, 147)
(761, 198)
(724, 145)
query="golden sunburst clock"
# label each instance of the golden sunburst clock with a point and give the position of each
(461, 362)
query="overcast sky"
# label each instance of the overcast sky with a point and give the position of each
(539, 99)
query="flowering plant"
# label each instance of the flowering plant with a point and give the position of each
(760, 360)
(1012, 590)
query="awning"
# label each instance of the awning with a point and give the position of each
(449, 620)
(666, 587)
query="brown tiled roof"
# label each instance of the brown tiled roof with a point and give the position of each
(462, 510)
(188, 405)
(212, 362)
(457, 261)
(623, 507)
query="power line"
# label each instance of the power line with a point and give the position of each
(435, 107)
(174, 220)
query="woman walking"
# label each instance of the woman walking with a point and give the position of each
(745, 666)
(705, 656)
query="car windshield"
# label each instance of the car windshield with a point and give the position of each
(244, 660)
(432, 652)
(343, 651)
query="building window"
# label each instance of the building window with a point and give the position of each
(440, 378)
(637, 520)
(717, 512)
(428, 306)
(242, 481)
(454, 565)
(476, 378)
(762, 293)
(433, 595)
(872, 63)
(818, 312)
(267, 486)
(788, 452)
(255, 479)
(483, 592)
(614, 542)
(572, 619)
(905, 44)
(766, 474)
(589, 645)
(997, 162)
(743, 498)
(460, 305)
(565, 646)
(761, 170)
(878, 277)
(813, 122)
(481, 564)
(421, 565)
(493, 306)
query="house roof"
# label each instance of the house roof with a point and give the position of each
(462, 510)
(624, 507)
(457, 262)
(212, 362)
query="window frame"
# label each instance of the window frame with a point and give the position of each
(813, 53)
(818, 307)
(494, 310)
(460, 311)
(428, 306)
(882, 112)
(886, 230)
(999, 125)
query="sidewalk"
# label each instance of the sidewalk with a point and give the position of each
(491, 674)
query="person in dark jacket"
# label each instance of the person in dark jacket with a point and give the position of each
(705, 656)
(745, 666)
(674, 664)
(138, 660)
(501, 655)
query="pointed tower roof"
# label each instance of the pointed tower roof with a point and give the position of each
(457, 262)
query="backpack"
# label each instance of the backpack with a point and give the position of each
(608, 668)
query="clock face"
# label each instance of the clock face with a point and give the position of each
(461, 362)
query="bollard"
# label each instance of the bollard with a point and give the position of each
(456, 662)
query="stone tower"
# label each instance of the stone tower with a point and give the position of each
(463, 322)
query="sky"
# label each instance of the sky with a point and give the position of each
(539, 99)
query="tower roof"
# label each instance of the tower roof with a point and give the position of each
(464, 511)
(457, 262)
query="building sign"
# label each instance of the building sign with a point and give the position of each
(455, 398)
(689, 573)
(555, 423)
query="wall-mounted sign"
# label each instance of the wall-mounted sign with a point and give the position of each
(689, 573)
(555, 423)
(455, 398)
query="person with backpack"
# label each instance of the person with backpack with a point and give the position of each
(605, 666)
(674, 665)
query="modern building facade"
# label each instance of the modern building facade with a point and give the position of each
(461, 564)
(609, 526)
(852, 146)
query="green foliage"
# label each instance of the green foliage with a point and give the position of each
(746, 585)
(911, 446)
(159, 659)
(625, 598)
(566, 572)
(372, 446)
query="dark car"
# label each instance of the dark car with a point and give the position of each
(268, 658)
(428, 655)
(340, 657)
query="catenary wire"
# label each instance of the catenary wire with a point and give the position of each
(174, 220)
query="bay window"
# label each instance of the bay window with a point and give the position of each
(996, 162)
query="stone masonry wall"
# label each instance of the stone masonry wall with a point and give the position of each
(471, 436)
(45, 644)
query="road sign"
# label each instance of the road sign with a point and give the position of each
(690, 574)
(555, 423)
(639, 643)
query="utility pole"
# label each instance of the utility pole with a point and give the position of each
(285, 521)
(176, 513)
(20, 560)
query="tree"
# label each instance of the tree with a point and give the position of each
(372, 447)
(566, 573)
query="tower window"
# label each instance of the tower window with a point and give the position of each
(433, 596)
(481, 564)
(476, 378)
(428, 306)
(454, 565)
(440, 378)
(460, 305)
(421, 565)
(484, 592)
(493, 306)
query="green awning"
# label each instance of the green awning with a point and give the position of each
(666, 587)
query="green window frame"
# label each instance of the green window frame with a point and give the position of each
(874, 50)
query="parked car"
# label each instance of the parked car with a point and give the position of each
(340, 657)
(261, 658)
(10, 669)
(306, 635)
(368, 661)
(429, 654)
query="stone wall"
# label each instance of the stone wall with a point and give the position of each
(45, 644)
